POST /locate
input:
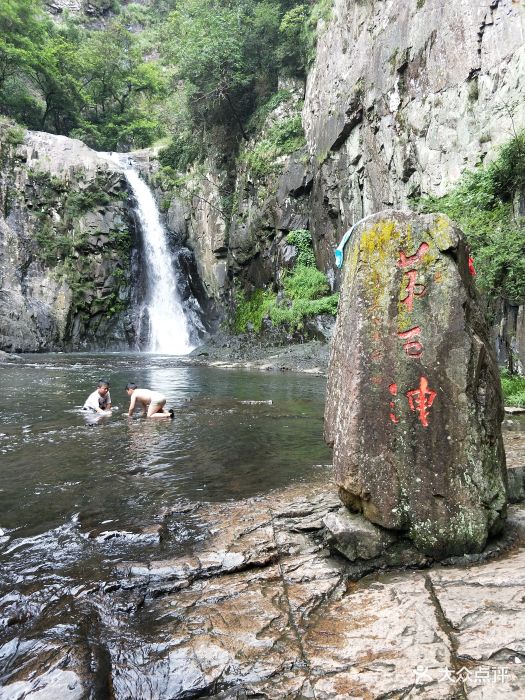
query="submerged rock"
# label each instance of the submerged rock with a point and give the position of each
(414, 405)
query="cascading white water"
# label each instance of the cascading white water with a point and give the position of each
(169, 331)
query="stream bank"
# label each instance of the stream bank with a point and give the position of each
(251, 352)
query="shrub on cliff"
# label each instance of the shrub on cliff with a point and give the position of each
(10, 132)
(305, 293)
(282, 138)
(482, 204)
(513, 388)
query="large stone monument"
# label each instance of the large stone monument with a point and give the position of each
(414, 405)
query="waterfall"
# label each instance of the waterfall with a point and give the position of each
(169, 329)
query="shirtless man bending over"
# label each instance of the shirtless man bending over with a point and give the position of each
(152, 402)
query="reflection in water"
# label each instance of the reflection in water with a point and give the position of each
(234, 435)
(77, 497)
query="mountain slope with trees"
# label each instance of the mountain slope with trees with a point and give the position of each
(273, 117)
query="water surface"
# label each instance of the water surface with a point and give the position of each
(66, 482)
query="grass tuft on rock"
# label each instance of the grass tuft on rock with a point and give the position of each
(305, 293)
(513, 387)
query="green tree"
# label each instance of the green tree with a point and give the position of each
(23, 30)
(54, 73)
(94, 84)
(293, 47)
(226, 57)
(117, 85)
(207, 46)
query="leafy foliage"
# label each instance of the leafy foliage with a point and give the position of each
(294, 315)
(302, 240)
(293, 48)
(207, 42)
(513, 388)
(258, 118)
(93, 84)
(482, 206)
(106, 86)
(181, 152)
(250, 312)
(305, 283)
(226, 56)
(306, 294)
(317, 20)
(283, 137)
(10, 132)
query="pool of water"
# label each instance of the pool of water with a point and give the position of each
(235, 434)
(78, 497)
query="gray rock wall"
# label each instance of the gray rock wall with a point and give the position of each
(65, 247)
(235, 219)
(403, 97)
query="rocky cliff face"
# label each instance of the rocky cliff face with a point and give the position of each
(236, 221)
(66, 241)
(401, 99)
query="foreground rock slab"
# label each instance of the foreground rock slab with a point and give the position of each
(281, 617)
(260, 607)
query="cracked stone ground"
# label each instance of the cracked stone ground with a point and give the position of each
(261, 609)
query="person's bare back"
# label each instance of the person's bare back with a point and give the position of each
(152, 402)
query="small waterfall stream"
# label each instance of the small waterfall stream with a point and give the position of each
(169, 330)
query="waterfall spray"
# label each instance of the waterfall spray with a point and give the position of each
(169, 328)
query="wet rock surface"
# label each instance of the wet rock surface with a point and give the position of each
(223, 350)
(260, 606)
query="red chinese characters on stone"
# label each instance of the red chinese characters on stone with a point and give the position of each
(412, 347)
(413, 288)
(420, 400)
(393, 390)
(411, 260)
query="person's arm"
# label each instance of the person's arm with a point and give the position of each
(108, 407)
(131, 404)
